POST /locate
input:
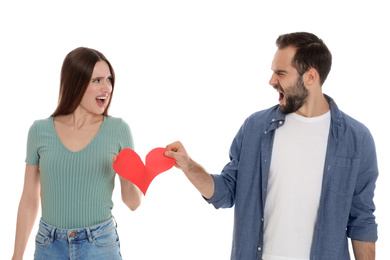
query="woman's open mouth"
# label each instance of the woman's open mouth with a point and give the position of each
(101, 100)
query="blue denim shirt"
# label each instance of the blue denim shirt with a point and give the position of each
(346, 203)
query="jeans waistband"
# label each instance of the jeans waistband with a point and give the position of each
(79, 233)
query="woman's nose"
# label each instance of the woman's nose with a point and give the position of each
(107, 86)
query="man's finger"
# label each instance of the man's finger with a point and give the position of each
(170, 154)
(176, 146)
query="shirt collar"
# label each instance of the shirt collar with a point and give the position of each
(278, 117)
(335, 112)
(276, 120)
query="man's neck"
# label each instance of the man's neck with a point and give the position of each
(316, 105)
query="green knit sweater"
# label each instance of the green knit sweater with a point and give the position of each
(76, 187)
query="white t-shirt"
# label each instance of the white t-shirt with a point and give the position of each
(294, 187)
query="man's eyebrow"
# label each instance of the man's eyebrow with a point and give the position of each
(280, 71)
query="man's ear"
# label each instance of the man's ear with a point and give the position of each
(311, 77)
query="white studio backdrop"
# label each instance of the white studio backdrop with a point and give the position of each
(189, 71)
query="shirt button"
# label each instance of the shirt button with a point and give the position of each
(259, 248)
(262, 219)
(280, 122)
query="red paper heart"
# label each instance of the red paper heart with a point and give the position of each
(129, 165)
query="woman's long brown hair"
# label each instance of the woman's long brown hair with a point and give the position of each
(76, 74)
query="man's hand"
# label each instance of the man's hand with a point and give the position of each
(203, 181)
(177, 151)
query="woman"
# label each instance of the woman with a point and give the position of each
(69, 166)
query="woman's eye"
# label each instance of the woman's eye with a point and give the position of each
(101, 80)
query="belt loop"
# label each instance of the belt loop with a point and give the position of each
(52, 234)
(89, 235)
(116, 223)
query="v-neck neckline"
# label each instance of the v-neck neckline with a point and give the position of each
(85, 147)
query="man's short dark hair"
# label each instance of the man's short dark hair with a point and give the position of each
(311, 53)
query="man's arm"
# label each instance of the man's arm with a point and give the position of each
(363, 250)
(202, 180)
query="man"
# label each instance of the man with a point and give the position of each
(302, 174)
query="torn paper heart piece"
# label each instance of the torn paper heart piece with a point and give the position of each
(130, 166)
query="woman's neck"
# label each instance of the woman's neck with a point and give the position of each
(79, 119)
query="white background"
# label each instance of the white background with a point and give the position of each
(190, 71)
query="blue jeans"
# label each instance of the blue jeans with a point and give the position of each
(97, 242)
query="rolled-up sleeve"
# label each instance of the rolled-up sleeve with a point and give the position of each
(361, 224)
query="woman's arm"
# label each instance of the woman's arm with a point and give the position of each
(28, 209)
(131, 195)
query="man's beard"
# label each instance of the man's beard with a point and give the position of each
(295, 96)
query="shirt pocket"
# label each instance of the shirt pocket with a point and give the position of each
(343, 175)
